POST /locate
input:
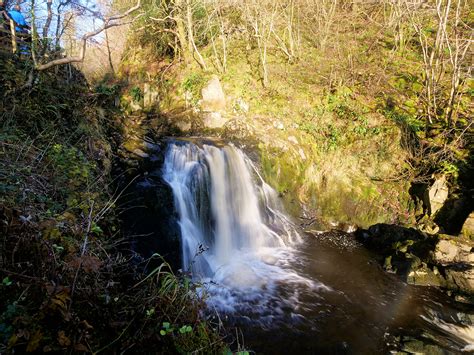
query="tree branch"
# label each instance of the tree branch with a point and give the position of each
(80, 57)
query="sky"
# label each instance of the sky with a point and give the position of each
(84, 22)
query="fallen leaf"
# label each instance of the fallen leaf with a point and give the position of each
(88, 263)
(34, 341)
(63, 340)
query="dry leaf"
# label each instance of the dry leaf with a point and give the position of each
(63, 340)
(34, 341)
(88, 263)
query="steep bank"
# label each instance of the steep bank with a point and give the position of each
(69, 282)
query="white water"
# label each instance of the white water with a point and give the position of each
(236, 239)
(238, 243)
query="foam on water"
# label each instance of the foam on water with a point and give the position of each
(236, 239)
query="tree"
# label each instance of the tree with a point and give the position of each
(44, 62)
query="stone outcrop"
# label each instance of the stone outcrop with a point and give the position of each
(423, 259)
(213, 98)
(213, 104)
(436, 195)
(453, 250)
(468, 226)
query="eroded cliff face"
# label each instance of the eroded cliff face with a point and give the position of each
(331, 158)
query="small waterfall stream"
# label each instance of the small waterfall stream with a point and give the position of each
(307, 294)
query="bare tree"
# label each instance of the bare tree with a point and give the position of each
(260, 18)
(109, 22)
(444, 53)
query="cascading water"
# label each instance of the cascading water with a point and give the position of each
(254, 267)
(235, 236)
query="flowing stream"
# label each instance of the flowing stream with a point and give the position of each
(287, 291)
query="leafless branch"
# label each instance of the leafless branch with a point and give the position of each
(108, 23)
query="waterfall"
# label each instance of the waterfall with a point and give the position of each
(233, 228)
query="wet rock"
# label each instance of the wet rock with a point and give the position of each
(388, 238)
(213, 98)
(460, 277)
(436, 195)
(140, 153)
(424, 276)
(419, 347)
(152, 146)
(151, 221)
(427, 260)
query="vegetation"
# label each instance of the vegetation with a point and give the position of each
(350, 104)
(343, 78)
(68, 283)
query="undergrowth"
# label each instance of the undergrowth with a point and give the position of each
(68, 283)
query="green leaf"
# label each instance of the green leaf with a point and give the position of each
(163, 332)
(6, 281)
(150, 312)
(166, 325)
(96, 229)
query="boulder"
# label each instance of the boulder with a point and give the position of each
(436, 195)
(213, 98)
(460, 277)
(421, 259)
(453, 250)
(468, 226)
(214, 120)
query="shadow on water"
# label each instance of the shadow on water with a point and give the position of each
(365, 310)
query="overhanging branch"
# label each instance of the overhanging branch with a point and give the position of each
(108, 23)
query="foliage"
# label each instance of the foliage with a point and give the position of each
(193, 85)
(67, 283)
(136, 94)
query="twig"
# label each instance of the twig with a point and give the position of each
(80, 57)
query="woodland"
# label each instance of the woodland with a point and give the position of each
(353, 111)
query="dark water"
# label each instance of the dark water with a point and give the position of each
(366, 310)
(288, 293)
